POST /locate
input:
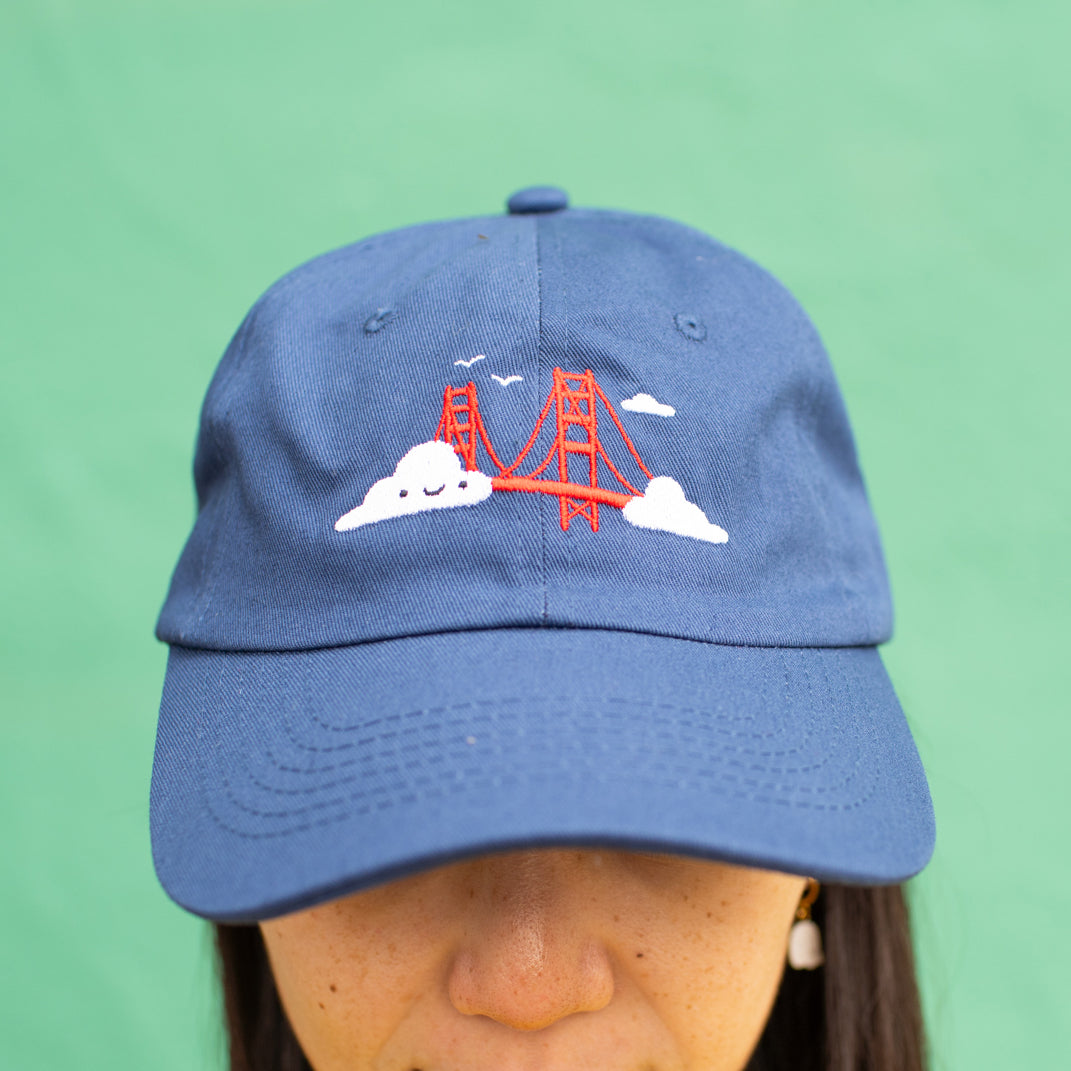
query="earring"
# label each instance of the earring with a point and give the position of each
(805, 941)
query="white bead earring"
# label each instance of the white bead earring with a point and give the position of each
(805, 940)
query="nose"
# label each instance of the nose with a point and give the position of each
(531, 955)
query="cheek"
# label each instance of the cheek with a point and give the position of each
(347, 985)
(712, 965)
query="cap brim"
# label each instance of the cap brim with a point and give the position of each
(284, 779)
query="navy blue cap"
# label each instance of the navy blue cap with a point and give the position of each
(540, 528)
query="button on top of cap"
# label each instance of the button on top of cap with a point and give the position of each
(537, 199)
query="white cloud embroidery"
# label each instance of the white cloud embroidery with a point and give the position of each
(665, 506)
(430, 476)
(646, 403)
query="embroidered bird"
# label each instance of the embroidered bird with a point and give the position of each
(472, 361)
(508, 380)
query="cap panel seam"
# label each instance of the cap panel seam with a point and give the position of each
(541, 378)
(807, 440)
(211, 569)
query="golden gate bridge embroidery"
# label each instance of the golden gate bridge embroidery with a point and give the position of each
(574, 396)
(430, 476)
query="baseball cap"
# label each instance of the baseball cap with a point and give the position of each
(537, 528)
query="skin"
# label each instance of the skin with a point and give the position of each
(544, 960)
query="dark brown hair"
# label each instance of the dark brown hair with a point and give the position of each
(858, 1013)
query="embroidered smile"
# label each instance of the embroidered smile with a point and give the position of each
(436, 491)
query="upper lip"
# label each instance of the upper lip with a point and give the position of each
(436, 491)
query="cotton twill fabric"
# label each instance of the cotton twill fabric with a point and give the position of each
(284, 779)
(308, 410)
(347, 705)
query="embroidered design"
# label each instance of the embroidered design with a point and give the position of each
(471, 361)
(430, 476)
(663, 505)
(507, 380)
(646, 403)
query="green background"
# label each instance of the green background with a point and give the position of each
(904, 171)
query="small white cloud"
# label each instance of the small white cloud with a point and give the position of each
(645, 403)
(430, 476)
(665, 506)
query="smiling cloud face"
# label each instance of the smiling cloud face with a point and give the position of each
(430, 476)
(664, 506)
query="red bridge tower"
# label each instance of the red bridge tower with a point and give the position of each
(574, 396)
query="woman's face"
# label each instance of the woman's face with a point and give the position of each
(547, 960)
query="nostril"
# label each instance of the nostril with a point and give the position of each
(506, 983)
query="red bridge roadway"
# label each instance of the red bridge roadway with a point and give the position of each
(556, 487)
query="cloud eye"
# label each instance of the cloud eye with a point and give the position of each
(402, 493)
(464, 483)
